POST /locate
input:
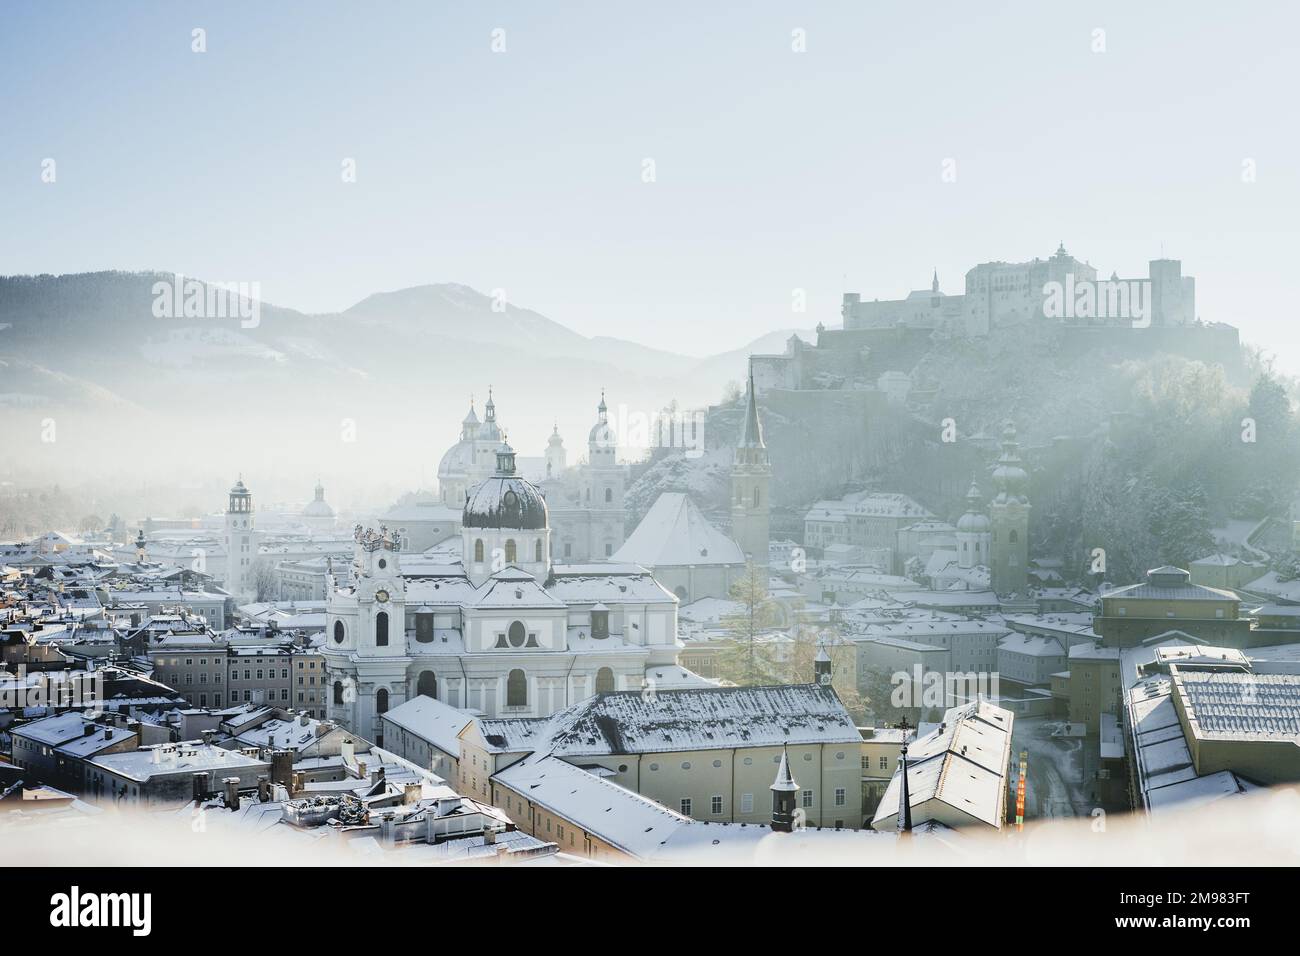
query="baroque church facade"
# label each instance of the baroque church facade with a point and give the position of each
(586, 504)
(503, 631)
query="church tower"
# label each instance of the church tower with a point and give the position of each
(556, 457)
(1009, 519)
(823, 668)
(783, 793)
(973, 533)
(751, 477)
(239, 540)
(604, 486)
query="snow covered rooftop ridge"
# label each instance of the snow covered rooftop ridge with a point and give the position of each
(702, 719)
(674, 532)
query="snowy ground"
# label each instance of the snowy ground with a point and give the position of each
(1057, 784)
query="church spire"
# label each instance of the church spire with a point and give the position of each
(934, 283)
(783, 790)
(751, 430)
(904, 796)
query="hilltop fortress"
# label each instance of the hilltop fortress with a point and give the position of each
(882, 340)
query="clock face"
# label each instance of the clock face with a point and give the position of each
(381, 596)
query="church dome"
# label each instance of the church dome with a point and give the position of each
(457, 460)
(506, 500)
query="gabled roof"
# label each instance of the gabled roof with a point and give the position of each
(674, 532)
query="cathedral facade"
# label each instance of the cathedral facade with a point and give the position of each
(503, 631)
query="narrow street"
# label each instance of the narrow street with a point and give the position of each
(1055, 785)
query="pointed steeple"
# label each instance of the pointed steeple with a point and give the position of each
(783, 790)
(602, 410)
(751, 429)
(904, 795)
(934, 283)
(490, 409)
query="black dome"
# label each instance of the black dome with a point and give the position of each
(505, 501)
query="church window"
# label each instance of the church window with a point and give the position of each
(1013, 537)
(965, 546)
(609, 549)
(517, 634)
(381, 629)
(511, 551)
(568, 549)
(478, 550)
(609, 495)
(755, 497)
(338, 692)
(427, 686)
(537, 550)
(516, 689)
(381, 701)
(600, 624)
(501, 641)
(604, 681)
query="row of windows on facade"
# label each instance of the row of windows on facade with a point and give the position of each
(516, 636)
(248, 696)
(516, 688)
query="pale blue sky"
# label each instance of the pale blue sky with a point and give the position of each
(776, 170)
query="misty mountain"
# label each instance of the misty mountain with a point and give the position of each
(397, 368)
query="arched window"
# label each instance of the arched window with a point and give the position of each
(604, 681)
(381, 629)
(965, 546)
(338, 632)
(609, 495)
(511, 552)
(1012, 536)
(680, 591)
(517, 689)
(478, 550)
(381, 701)
(427, 686)
(755, 497)
(517, 634)
(338, 692)
(537, 550)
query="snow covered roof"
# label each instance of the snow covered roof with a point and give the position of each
(1032, 645)
(702, 719)
(963, 763)
(673, 533)
(1230, 705)
(634, 824)
(431, 720)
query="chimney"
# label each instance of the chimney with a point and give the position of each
(263, 790)
(155, 754)
(348, 751)
(489, 835)
(376, 776)
(282, 767)
(208, 736)
(108, 733)
(201, 787)
(304, 720)
(89, 730)
(411, 793)
(231, 785)
(388, 829)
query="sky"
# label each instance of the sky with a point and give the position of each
(523, 169)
